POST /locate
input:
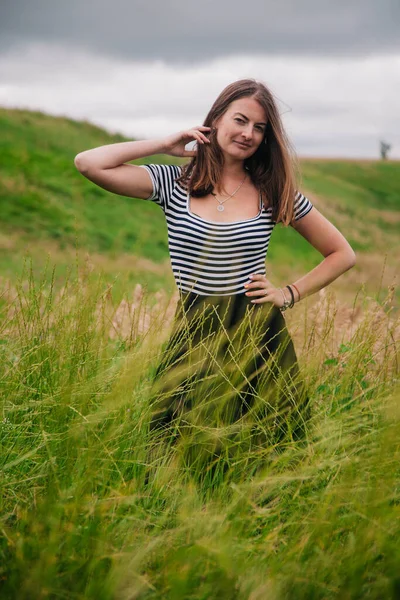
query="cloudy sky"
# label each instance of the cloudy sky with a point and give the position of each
(149, 68)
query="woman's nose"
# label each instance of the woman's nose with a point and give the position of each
(247, 133)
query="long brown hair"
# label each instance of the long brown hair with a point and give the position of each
(273, 166)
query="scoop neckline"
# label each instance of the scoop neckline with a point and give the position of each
(222, 222)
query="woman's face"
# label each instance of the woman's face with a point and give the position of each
(241, 128)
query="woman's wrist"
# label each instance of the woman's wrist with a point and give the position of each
(290, 295)
(287, 303)
(296, 292)
(292, 299)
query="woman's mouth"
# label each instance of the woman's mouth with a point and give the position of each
(243, 145)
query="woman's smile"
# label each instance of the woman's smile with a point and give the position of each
(242, 144)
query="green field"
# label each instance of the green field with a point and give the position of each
(49, 210)
(94, 506)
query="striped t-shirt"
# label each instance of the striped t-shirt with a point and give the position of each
(207, 257)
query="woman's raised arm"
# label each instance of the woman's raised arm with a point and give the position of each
(105, 165)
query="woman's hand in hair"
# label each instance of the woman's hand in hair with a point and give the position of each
(175, 143)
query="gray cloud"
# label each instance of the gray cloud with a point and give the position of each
(147, 69)
(186, 32)
(330, 106)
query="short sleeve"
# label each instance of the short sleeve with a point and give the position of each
(302, 206)
(163, 179)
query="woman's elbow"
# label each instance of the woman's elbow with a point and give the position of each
(77, 161)
(352, 258)
(80, 164)
(347, 257)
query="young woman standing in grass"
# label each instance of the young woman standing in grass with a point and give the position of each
(230, 359)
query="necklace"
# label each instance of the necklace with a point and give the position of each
(220, 207)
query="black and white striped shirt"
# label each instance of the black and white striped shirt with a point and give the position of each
(207, 257)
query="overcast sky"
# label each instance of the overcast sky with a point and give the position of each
(150, 68)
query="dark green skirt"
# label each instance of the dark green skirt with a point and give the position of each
(229, 369)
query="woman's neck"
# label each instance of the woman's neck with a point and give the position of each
(233, 168)
(232, 174)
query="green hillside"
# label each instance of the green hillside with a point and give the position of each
(49, 211)
(94, 503)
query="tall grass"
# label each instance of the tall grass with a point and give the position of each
(94, 504)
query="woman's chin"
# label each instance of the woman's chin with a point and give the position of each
(236, 152)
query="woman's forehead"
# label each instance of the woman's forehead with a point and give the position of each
(250, 107)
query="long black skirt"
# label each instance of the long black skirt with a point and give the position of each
(229, 373)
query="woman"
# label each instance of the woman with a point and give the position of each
(230, 360)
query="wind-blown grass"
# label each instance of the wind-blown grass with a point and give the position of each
(96, 505)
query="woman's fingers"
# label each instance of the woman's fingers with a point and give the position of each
(257, 279)
(199, 131)
(189, 136)
(194, 134)
(204, 130)
(199, 136)
(255, 276)
(260, 292)
(258, 286)
(255, 286)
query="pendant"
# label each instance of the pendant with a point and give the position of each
(220, 207)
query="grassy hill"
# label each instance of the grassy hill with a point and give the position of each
(93, 504)
(50, 212)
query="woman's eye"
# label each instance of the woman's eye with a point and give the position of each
(241, 121)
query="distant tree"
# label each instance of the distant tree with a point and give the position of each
(384, 149)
